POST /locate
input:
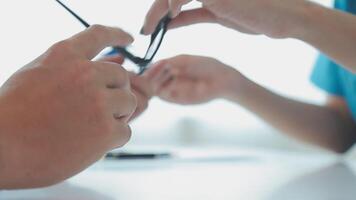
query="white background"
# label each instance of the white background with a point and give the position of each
(28, 28)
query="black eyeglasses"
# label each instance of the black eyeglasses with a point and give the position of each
(156, 41)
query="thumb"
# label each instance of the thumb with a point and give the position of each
(175, 6)
(195, 16)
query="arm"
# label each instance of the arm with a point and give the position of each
(330, 126)
(194, 80)
(331, 31)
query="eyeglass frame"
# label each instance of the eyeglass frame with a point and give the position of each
(142, 63)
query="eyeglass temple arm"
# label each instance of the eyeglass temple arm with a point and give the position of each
(121, 50)
(86, 24)
(137, 60)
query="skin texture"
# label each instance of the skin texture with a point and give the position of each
(332, 32)
(63, 111)
(180, 80)
(141, 87)
(193, 80)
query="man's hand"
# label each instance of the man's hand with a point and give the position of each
(63, 112)
(274, 18)
(140, 86)
(192, 79)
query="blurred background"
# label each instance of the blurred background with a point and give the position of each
(28, 28)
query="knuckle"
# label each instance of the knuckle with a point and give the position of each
(182, 57)
(61, 48)
(61, 44)
(174, 94)
(122, 77)
(98, 32)
(96, 28)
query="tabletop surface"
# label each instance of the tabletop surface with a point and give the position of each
(208, 174)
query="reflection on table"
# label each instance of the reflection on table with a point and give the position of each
(337, 182)
(209, 175)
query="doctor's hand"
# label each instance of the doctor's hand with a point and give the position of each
(141, 87)
(63, 111)
(274, 18)
(192, 79)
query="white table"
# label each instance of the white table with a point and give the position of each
(206, 174)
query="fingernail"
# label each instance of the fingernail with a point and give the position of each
(130, 40)
(142, 31)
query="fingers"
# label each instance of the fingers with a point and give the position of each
(174, 90)
(155, 69)
(111, 75)
(157, 11)
(143, 90)
(168, 90)
(231, 24)
(122, 103)
(142, 104)
(175, 6)
(118, 59)
(142, 85)
(121, 135)
(94, 39)
(158, 74)
(163, 72)
(166, 75)
(195, 16)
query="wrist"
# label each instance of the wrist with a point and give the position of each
(234, 85)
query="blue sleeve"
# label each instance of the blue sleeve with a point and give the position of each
(326, 76)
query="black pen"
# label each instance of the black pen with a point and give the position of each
(136, 156)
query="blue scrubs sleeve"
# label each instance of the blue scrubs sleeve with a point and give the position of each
(326, 76)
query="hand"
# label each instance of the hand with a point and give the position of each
(192, 79)
(143, 90)
(140, 87)
(274, 18)
(62, 112)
